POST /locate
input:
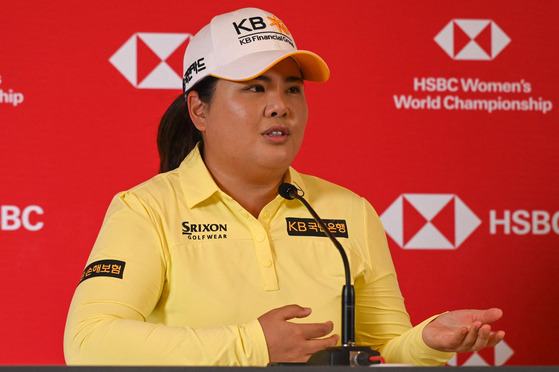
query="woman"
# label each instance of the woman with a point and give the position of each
(206, 265)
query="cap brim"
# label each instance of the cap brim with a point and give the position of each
(248, 67)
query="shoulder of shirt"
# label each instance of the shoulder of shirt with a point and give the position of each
(159, 184)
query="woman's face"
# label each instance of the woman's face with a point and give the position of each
(256, 125)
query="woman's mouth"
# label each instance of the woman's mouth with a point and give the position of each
(276, 134)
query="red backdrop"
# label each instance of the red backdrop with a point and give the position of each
(442, 114)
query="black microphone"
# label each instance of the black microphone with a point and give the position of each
(348, 353)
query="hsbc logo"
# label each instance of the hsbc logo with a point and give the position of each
(152, 60)
(472, 39)
(429, 221)
(13, 218)
(490, 356)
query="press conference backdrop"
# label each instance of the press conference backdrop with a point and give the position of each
(443, 114)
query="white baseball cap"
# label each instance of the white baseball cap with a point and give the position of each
(242, 45)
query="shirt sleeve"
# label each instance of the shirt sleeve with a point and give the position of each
(382, 321)
(106, 323)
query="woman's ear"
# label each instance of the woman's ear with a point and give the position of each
(197, 110)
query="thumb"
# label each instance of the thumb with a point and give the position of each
(490, 315)
(294, 311)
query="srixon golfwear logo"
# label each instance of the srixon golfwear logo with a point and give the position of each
(152, 60)
(204, 231)
(472, 39)
(429, 221)
(254, 29)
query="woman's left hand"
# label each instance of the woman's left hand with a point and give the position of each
(463, 331)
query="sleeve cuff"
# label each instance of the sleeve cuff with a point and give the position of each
(425, 354)
(260, 347)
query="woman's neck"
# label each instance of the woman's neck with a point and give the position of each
(252, 192)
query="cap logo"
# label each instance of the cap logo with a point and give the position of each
(195, 67)
(253, 29)
(277, 22)
(257, 23)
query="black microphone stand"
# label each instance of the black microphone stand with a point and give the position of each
(348, 353)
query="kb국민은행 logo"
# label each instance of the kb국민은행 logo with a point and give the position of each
(152, 60)
(429, 221)
(472, 39)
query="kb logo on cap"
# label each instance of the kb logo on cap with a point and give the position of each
(257, 23)
(252, 31)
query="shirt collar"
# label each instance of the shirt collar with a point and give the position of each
(199, 185)
(294, 177)
(195, 178)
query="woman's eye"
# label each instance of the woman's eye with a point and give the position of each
(295, 89)
(256, 88)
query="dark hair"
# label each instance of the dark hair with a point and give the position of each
(177, 135)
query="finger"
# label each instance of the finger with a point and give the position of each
(471, 337)
(322, 343)
(495, 338)
(315, 330)
(482, 338)
(293, 311)
(490, 315)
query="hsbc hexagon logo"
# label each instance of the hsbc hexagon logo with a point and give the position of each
(472, 39)
(429, 221)
(152, 60)
(490, 356)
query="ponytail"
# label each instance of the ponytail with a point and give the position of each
(177, 135)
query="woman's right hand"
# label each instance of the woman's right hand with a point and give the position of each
(294, 342)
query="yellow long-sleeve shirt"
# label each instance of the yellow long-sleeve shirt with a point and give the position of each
(180, 272)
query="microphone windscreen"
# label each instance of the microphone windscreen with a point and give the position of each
(285, 190)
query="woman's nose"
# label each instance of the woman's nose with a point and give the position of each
(277, 106)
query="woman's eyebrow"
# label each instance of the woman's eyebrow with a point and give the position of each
(291, 79)
(288, 79)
